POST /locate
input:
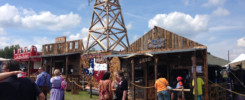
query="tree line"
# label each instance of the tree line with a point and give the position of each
(7, 52)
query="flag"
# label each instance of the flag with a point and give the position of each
(99, 70)
(90, 70)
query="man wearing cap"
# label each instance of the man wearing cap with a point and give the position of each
(179, 86)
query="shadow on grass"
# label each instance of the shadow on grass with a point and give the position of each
(83, 95)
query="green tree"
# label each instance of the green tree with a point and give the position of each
(7, 52)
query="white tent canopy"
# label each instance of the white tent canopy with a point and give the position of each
(3, 59)
(240, 60)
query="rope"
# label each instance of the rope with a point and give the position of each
(80, 86)
(238, 79)
(226, 89)
(141, 86)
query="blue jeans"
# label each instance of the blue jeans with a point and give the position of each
(163, 95)
(199, 97)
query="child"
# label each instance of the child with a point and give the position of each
(179, 86)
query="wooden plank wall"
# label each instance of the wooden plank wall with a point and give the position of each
(172, 41)
(114, 66)
(62, 48)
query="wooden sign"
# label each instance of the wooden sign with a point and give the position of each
(156, 43)
(144, 60)
(60, 39)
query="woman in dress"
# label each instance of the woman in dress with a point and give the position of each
(56, 92)
(114, 86)
(105, 87)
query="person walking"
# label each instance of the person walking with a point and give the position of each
(114, 86)
(161, 86)
(179, 86)
(14, 88)
(122, 89)
(43, 81)
(105, 87)
(200, 82)
(56, 93)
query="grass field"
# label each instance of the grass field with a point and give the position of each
(83, 95)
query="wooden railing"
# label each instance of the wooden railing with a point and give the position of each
(217, 93)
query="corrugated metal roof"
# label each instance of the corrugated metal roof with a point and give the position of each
(157, 52)
(213, 60)
(52, 55)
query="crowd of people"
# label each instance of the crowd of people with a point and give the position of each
(16, 88)
(163, 90)
(116, 90)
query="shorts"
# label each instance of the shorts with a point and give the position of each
(179, 94)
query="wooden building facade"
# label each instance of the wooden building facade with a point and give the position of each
(63, 55)
(162, 51)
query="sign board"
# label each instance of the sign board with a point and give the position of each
(60, 39)
(25, 56)
(144, 60)
(198, 69)
(156, 43)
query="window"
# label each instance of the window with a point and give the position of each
(70, 45)
(76, 45)
(51, 48)
(58, 46)
(46, 47)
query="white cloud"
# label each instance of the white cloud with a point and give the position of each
(2, 32)
(221, 12)
(66, 33)
(10, 16)
(82, 6)
(136, 37)
(241, 42)
(129, 26)
(38, 42)
(180, 23)
(83, 34)
(3, 42)
(226, 27)
(214, 3)
(186, 2)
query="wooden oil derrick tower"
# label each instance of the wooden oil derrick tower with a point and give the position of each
(107, 28)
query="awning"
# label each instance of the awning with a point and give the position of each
(56, 55)
(153, 53)
(32, 58)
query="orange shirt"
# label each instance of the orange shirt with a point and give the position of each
(159, 86)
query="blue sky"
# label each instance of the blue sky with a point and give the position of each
(218, 24)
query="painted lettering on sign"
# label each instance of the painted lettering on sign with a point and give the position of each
(144, 60)
(156, 43)
(60, 39)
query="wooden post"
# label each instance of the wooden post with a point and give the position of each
(183, 94)
(42, 62)
(155, 68)
(51, 63)
(108, 64)
(67, 66)
(193, 58)
(206, 75)
(29, 62)
(90, 90)
(132, 69)
(146, 80)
